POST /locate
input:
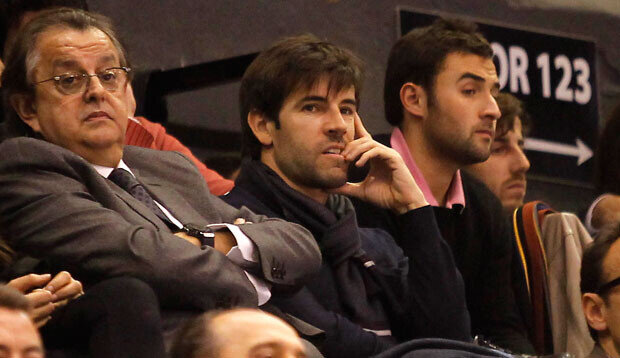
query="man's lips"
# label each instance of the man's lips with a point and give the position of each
(97, 115)
(488, 132)
(334, 150)
(515, 185)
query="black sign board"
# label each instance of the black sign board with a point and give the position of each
(555, 77)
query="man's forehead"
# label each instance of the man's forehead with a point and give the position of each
(61, 44)
(323, 87)
(506, 128)
(456, 64)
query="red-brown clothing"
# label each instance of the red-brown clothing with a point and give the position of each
(143, 133)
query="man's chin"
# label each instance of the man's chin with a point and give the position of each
(105, 137)
(330, 183)
(474, 157)
(512, 204)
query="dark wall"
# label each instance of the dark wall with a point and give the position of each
(169, 34)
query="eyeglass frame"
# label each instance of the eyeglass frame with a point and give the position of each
(608, 286)
(88, 76)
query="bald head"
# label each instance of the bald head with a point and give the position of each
(18, 336)
(238, 333)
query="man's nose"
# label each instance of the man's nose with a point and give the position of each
(94, 90)
(520, 162)
(491, 109)
(336, 123)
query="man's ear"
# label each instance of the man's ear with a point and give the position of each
(414, 99)
(261, 127)
(26, 109)
(594, 311)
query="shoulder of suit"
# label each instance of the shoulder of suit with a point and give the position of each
(31, 149)
(135, 153)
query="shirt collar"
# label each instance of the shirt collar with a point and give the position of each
(105, 171)
(455, 195)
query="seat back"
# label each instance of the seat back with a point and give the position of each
(564, 239)
(531, 257)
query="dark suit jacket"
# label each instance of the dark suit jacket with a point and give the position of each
(55, 206)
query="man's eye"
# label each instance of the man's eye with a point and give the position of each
(107, 76)
(68, 80)
(498, 150)
(469, 92)
(347, 111)
(310, 108)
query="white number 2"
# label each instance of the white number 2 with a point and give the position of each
(563, 92)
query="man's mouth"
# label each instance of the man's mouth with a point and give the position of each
(337, 151)
(516, 185)
(97, 115)
(487, 132)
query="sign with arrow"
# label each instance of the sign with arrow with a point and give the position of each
(555, 76)
(579, 150)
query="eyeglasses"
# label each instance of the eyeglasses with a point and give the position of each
(71, 83)
(608, 286)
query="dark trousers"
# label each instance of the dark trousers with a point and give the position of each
(118, 317)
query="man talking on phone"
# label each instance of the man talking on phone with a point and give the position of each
(301, 131)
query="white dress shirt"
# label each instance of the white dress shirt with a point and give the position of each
(244, 251)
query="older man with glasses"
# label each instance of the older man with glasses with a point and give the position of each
(73, 194)
(600, 278)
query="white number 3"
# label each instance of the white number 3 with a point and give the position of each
(583, 92)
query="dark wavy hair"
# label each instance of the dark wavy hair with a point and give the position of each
(511, 108)
(289, 65)
(196, 338)
(418, 56)
(592, 263)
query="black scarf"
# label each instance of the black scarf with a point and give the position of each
(335, 229)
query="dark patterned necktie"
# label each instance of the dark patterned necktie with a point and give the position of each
(130, 184)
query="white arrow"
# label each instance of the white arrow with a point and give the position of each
(580, 150)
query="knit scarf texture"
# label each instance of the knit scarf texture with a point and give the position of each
(335, 229)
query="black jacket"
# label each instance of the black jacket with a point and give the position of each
(480, 240)
(417, 287)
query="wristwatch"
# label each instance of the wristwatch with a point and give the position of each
(204, 234)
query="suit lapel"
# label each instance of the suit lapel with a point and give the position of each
(137, 206)
(174, 202)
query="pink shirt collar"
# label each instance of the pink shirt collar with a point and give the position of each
(455, 195)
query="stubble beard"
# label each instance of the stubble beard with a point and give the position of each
(456, 149)
(309, 175)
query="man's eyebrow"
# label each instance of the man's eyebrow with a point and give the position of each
(64, 63)
(34, 349)
(349, 101)
(74, 63)
(472, 76)
(312, 99)
(268, 344)
(477, 78)
(322, 99)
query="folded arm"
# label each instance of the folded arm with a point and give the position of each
(53, 206)
(434, 285)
